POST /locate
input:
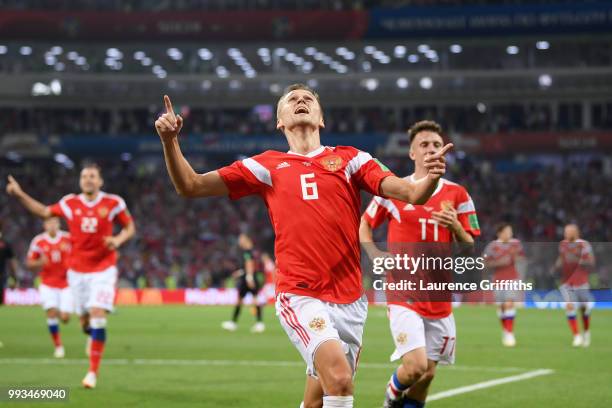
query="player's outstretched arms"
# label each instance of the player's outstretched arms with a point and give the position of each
(421, 190)
(34, 206)
(186, 181)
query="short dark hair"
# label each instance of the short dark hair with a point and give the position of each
(501, 226)
(92, 165)
(297, 86)
(424, 126)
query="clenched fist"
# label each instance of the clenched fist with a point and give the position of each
(168, 125)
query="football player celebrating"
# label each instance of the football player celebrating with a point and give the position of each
(313, 197)
(505, 256)
(48, 254)
(423, 331)
(575, 261)
(92, 273)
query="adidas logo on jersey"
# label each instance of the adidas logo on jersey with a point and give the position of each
(282, 165)
(307, 164)
(409, 207)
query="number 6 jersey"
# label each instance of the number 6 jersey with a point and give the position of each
(89, 222)
(314, 205)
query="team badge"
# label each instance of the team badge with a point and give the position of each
(446, 204)
(102, 212)
(331, 163)
(401, 339)
(64, 247)
(317, 324)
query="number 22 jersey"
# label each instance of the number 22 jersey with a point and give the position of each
(89, 222)
(314, 205)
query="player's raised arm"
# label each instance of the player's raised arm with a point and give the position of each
(32, 205)
(186, 181)
(419, 191)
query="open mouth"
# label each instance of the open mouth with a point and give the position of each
(301, 109)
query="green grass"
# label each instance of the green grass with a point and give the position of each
(582, 377)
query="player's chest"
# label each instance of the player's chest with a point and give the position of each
(55, 251)
(410, 213)
(91, 219)
(311, 179)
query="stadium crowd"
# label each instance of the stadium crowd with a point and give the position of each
(261, 120)
(192, 243)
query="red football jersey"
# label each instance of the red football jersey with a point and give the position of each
(57, 252)
(574, 256)
(508, 252)
(89, 222)
(409, 223)
(314, 203)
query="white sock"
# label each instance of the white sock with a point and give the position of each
(338, 402)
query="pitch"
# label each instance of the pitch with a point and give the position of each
(179, 356)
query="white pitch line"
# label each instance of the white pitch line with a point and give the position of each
(488, 384)
(262, 363)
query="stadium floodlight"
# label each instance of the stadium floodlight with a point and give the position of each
(174, 54)
(312, 82)
(117, 65)
(156, 69)
(3, 49)
(385, 60)
(370, 84)
(206, 85)
(413, 58)
(60, 66)
(378, 54)
(72, 55)
(275, 88)
(307, 67)
(251, 73)
(263, 52)
(366, 66)
(290, 57)
(542, 45)
(545, 80)
(456, 48)
(25, 50)
(139, 55)
(40, 89)
(402, 83)
(109, 62)
(327, 60)
(423, 48)
(299, 61)
(319, 56)
(435, 58)
(235, 84)
(56, 87)
(234, 52)
(114, 53)
(280, 52)
(399, 51)
(56, 50)
(512, 50)
(369, 49)
(481, 107)
(161, 74)
(431, 54)
(205, 54)
(126, 156)
(310, 51)
(342, 69)
(341, 50)
(80, 61)
(349, 56)
(146, 61)
(222, 72)
(50, 59)
(426, 83)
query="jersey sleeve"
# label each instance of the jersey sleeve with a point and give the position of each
(376, 213)
(245, 177)
(61, 208)
(367, 172)
(466, 213)
(34, 251)
(120, 212)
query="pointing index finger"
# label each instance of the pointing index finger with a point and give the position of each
(444, 150)
(168, 104)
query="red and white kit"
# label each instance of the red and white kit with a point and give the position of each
(92, 273)
(509, 253)
(314, 203)
(575, 257)
(54, 290)
(427, 324)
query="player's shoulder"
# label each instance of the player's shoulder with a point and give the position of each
(111, 198)
(39, 238)
(64, 234)
(265, 159)
(449, 185)
(69, 198)
(348, 152)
